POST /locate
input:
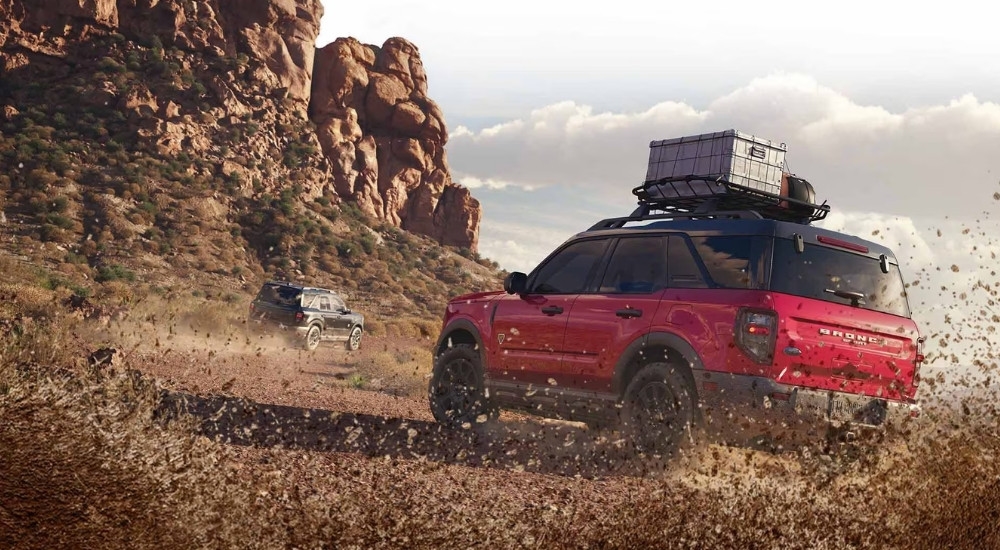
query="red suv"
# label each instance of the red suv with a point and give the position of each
(734, 316)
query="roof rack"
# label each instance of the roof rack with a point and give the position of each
(677, 198)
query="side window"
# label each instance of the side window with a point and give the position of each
(568, 271)
(324, 303)
(683, 268)
(637, 266)
(729, 260)
(309, 301)
(337, 303)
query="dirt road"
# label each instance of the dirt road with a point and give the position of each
(527, 482)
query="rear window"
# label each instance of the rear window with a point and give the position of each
(821, 272)
(280, 295)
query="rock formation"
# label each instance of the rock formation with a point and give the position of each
(281, 33)
(385, 139)
(232, 67)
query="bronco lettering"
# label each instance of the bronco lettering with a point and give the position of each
(851, 337)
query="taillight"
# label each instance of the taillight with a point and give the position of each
(918, 360)
(299, 316)
(756, 330)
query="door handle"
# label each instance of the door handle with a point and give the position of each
(628, 313)
(552, 310)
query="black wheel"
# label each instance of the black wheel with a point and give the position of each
(658, 409)
(457, 390)
(312, 337)
(354, 341)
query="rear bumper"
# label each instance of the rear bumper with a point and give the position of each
(839, 408)
(741, 407)
(271, 326)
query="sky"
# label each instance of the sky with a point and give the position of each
(891, 110)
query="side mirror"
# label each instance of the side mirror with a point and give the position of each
(515, 283)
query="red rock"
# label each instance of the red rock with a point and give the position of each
(400, 174)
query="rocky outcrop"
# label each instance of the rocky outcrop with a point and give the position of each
(233, 79)
(386, 139)
(279, 33)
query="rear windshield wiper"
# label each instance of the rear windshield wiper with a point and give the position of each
(855, 297)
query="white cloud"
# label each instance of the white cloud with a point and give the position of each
(520, 245)
(928, 161)
(473, 182)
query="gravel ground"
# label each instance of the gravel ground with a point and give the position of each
(365, 466)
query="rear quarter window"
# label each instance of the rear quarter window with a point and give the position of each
(733, 261)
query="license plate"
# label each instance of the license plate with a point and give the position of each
(858, 410)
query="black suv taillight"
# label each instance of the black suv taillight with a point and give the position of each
(756, 332)
(299, 316)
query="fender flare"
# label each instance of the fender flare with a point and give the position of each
(467, 326)
(666, 339)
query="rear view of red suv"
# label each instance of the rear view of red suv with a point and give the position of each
(732, 316)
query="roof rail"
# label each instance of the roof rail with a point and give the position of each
(642, 214)
(707, 196)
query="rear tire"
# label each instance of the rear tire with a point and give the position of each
(354, 340)
(313, 336)
(457, 391)
(658, 410)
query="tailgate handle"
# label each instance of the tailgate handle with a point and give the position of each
(628, 313)
(552, 310)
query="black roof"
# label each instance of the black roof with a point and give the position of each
(735, 226)
(734, 210)
(299, 286)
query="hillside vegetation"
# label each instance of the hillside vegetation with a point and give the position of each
(97, 188)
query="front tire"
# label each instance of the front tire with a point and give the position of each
(354, 340)
(658, 409)
(457, 390)
(313, 336)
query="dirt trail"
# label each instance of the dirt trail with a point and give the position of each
(304, 450)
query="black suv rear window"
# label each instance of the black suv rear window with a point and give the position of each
(280, 295)
(820, 272)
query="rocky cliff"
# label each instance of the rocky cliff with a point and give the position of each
(386, 139)
(225, 85)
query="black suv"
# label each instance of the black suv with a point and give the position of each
(314, 314)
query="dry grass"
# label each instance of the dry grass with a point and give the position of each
(404, 327)
(401, 367)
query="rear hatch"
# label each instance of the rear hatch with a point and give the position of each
(844, 320)
(276, 304)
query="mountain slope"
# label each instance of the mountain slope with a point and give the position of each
(170, 140)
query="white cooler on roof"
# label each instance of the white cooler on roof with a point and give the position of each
(734, 156)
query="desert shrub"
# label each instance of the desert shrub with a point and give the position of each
(114, 272)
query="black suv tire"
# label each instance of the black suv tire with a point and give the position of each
(457, 390)
(658, 409)
(313, 337)
(354, 340)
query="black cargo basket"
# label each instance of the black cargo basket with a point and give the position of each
(677, 194)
